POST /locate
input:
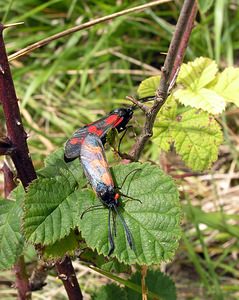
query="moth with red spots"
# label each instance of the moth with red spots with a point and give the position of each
(96, 169)
(87, 144)
(117, 119)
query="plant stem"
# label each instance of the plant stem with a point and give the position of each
(144, 270)
(66, 273)
(15, 131)
(25, 169)
(22, 282)
(169, 72)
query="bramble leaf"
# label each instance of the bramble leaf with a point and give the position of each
(227, 85)
(54, 206)
(148, 87)
(195, 78)
(67, 245)
(51, 204)
(11, 239)
(198, 73)
(205, 99)
(54, 164)
(163, 134)
(196, 134)
(154, 223)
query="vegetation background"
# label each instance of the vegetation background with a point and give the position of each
(76, 79)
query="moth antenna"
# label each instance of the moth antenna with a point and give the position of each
(135, 170)
(114, 225)
(131, 198)
(91, 208)
(126, 228)
(111, 237)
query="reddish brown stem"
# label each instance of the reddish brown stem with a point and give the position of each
(15, 130)
(25, 169)
(21, 282)
(169, 72)
(67, 274)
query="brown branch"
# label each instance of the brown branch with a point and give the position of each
(25, 169)
(15, 130)
(21, 281)
(169, 72)
(81, 27)
(66, 273)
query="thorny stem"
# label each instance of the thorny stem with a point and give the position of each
(67, 274)
(169, 72)
(15, 131)
(23, 163)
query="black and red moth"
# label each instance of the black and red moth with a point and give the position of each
(117, 119)
(97, 171)
(87, 144)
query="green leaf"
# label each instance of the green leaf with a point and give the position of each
(163, 131)
(227, 85)
(54, 164)
(196, 135)
(11, 239)
(148, 87)
(154, 223)
(53, 208)
(67, 245)
(206, 99)
(51, 205)
(195, 77)
(157, 283)
(198, 73)
(109, 292)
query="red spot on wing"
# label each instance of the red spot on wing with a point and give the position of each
(95, 130)
(118, 122)
(117, 196)
(112, 119)
(75, 141)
